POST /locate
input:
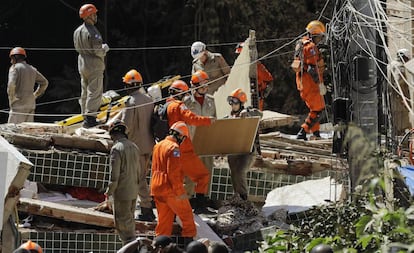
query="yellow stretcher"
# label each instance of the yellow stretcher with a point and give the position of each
(110, 108)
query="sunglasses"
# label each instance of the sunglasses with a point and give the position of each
(233, 100)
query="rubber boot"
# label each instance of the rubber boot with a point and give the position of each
(90, 121)
(201, 206)
(146, 214)
(301, 135)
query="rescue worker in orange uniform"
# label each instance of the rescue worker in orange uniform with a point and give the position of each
(167, 186)
(137, 117)
(192, 166)
(239, 164)
(29, 246)
(20, 86)
(122, 191)
(309, 66)
(264, 77)
(202, 104)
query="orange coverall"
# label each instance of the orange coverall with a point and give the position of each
(263, 78)
(309, 89)
(167, 187)
(192, 165)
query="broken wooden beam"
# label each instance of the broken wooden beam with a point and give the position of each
(74, 214)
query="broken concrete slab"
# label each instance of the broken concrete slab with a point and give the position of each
(17, 171)
(302, 196)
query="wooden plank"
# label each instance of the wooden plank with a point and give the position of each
(226, 136)
(273, 119)
(79, 142)
(296, 167)
(74, 214)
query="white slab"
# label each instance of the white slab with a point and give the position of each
(238, 78)
(16, 171)
(302, 196)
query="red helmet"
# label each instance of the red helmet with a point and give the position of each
(198, 77)
(178, 86)
(117, 126)
(132, 77)
(239, 47)
(181, 128)
(31, 246)
(239, 94)
(86, 10)
(18, 50)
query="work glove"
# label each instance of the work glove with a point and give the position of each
(322, 89)
(105, 47)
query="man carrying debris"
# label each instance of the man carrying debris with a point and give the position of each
(239, 164)
(167, 184)
(309, 67)
(91, 65)
(200, 103)
(20, 86)
(137, 117)
(123, 187)
(192, 166)
(212, 63)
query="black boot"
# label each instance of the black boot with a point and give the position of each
(243, 196)
(186, 241)
(146, 214)
(317, 134)
(201, 205)
(301, 135)
(89, 121)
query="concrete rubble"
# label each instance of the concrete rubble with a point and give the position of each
(281, 155)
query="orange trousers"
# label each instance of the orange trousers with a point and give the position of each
(314, 101)
(195, 169)
(167, 208)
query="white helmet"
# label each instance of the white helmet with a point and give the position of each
(196, 48)
(403, 52)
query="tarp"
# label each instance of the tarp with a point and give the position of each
(238, 78)
(407, 172)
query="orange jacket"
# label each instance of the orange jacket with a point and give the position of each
(178, 111)
(311, 57)
(167, 176)
(309, 90)
(263, 76)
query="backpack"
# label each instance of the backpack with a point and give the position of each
(159, 122)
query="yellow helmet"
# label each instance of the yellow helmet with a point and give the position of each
(315, 27)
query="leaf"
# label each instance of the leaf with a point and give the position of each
(361, 224)
(314, 242)
(365, 240)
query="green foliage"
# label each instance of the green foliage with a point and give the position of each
(363, 223)
(360, 225)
